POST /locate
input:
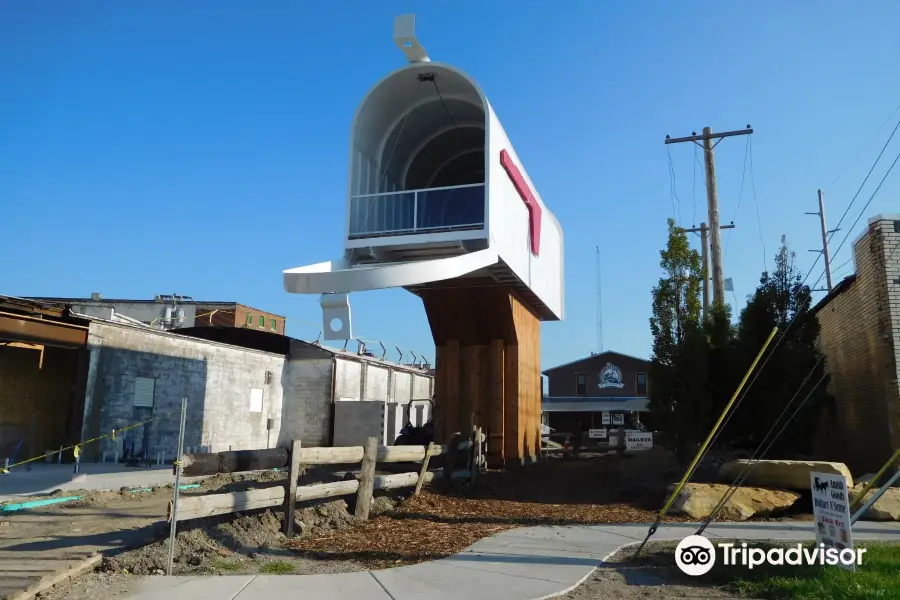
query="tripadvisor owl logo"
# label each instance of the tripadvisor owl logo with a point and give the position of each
(695, 555)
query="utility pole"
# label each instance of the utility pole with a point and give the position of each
(703, 230)
(825, 232)
(712, 199)
(599, 307)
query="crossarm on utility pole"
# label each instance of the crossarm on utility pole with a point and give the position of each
(712, 200)
(715, 136)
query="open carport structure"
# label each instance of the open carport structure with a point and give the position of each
(43, 371)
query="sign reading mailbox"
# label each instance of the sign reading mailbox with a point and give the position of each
(638, 440)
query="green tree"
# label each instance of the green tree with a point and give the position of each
(781, 300)
(680, 394)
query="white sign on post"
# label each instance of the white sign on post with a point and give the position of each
(831, 512)
(638, 440)
(597, 434)
(604, 419)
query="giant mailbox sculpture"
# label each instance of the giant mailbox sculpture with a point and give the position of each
(438, 203)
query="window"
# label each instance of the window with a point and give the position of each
(641, 384)
(144, 388)
(274, 325)
(262, 321)
(581, 384)
(249, 320)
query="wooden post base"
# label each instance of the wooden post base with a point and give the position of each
(487, 365)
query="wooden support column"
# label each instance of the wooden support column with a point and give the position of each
(488, 364)
(497, 423)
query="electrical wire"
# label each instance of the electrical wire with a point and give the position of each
(444, 104)
(871, 139)
(875, 164)
(673, 193)
(794, 318)
(762, 241)
(749, 467)
(694, 188)
(740, 196)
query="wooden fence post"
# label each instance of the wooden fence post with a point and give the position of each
(476, 454)
(424, 470)
(450, 459)
(366, 478)
(290, 496)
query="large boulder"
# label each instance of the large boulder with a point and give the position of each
(697, 500)
(886, 508)
(782, 474)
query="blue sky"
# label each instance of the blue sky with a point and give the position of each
(201, 148)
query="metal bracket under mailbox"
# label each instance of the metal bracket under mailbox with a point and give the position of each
(336, 307)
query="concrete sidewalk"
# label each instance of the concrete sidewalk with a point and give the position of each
(520, 564)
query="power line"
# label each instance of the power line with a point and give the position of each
(771, 353)
(875, 164)
(871, 139)
(740, 194)
(694, 188)
(745, 472)
(673, 193)
(762, 241)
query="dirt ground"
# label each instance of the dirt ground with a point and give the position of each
(402, 530)
(654, 579)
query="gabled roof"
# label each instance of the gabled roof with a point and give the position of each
(592, 357)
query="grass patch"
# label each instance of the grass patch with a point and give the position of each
(277, 567)
(224, 565)
(878, 578)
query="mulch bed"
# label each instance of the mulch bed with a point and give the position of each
(434, 524)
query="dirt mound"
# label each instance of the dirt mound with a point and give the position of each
(202, 544)
(316, 517)
(224, 483)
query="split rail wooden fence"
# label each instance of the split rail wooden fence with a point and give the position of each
(363, 485)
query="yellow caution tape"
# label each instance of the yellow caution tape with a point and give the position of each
(75, 447)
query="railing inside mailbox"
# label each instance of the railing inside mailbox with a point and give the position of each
(412, 212)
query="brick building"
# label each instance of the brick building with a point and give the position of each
(603, 390)
(172, 311)
(860, 334)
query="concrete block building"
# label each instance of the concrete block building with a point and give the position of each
(65, 379)
(860, 336)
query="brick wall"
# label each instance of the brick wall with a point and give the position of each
(859, 334)
(242, 313)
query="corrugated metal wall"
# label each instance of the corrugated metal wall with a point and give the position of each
(355, 380)
(375, 383)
